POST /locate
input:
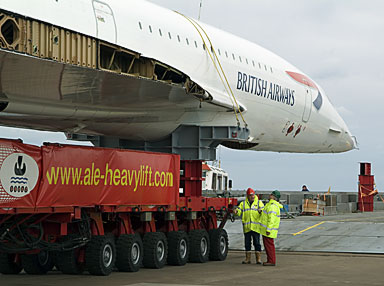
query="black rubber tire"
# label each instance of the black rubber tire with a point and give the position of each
(8, 264)
(129, 252)
(100, 255)
(219, 244)
(155, 250)
(178, 248)
(37, 264)
(56, 256)
(199, 242)
(67, 262)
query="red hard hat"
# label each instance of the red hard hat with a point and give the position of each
(250, 191)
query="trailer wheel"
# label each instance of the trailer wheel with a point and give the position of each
(178, 248)
(67, 262)
(155, 250)
(8, 264)
(129, 252)
(199, 241)
(219, 244)
(39, 263)
(100, 255)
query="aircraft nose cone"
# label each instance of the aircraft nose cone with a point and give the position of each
(351, 141)
(342, 139)
(347, 142)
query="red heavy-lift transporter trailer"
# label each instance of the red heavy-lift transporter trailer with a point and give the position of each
(87, 208)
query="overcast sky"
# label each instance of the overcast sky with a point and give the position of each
(340, 44)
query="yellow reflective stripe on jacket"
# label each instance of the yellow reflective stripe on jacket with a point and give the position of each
(272, 212)
(250, 214)
(270, 219)
(268, 227)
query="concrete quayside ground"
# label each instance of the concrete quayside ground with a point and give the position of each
(337, 227)
(293, 269)
(351, 233)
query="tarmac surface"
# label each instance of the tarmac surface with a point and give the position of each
(293, 269)
(348, 233)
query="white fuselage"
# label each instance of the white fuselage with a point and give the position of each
(283, 108)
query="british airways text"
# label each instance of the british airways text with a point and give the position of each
(263, 88)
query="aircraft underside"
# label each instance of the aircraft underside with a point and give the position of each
(48, 95)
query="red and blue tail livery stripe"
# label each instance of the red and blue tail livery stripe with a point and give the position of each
(308, 82)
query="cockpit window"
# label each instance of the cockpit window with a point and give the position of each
(318, 101)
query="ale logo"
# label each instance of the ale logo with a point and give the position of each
(18, 174)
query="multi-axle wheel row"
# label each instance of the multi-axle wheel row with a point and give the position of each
(127, 253)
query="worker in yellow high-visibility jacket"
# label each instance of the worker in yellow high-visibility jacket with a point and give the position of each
(269, 226)
(249, 211)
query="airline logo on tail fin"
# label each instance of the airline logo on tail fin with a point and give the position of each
(308, 82)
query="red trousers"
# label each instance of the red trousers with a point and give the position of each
(269, 246)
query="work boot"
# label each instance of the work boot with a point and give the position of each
(268, 264)
(247, 258)
(258, 257)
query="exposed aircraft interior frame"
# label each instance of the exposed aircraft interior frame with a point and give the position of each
(46, 41)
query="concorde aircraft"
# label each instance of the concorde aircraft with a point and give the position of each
(138, 71)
